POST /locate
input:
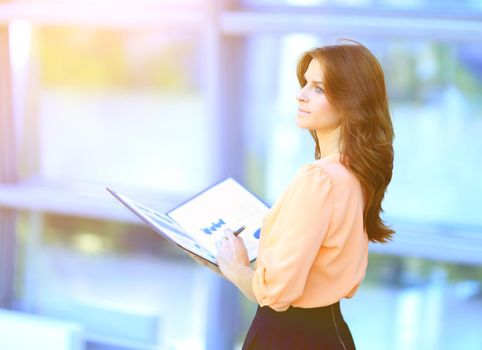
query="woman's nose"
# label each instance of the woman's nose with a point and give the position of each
(300, 97)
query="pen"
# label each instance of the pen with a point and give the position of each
(239, 230)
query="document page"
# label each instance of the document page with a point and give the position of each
(225, 205)
(164, 225)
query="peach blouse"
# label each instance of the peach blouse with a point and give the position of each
(313, 249)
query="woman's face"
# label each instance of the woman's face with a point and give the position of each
(314, 110)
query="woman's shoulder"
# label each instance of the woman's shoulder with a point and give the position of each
(333, 167)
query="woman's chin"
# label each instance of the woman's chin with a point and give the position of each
(301, 123)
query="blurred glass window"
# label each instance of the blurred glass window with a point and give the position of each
(116, 280)
(453, 7)
(123, 106)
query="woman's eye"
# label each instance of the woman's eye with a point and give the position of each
(319, 90)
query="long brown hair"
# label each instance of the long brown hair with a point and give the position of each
(354, 85)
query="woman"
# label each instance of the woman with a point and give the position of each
(314, 240)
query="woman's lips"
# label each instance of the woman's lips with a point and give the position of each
(302, 111)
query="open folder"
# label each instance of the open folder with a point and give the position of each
(198, 223)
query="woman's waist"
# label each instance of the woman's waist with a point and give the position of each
(299, 315)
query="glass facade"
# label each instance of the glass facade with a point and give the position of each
(110, 106)
(112, 278)
(427, 6)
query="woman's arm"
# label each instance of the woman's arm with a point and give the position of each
(243, 279)
(233, 261)
(300, 225)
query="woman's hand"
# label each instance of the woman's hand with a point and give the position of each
(232, 255)
(233, 261)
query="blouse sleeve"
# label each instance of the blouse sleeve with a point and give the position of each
(294, 239)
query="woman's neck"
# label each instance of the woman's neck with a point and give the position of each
(329, 141)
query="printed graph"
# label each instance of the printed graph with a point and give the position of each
(213, 227)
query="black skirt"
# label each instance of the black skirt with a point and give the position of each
(321, 328)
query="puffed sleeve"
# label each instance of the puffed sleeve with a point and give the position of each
(294, 239)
